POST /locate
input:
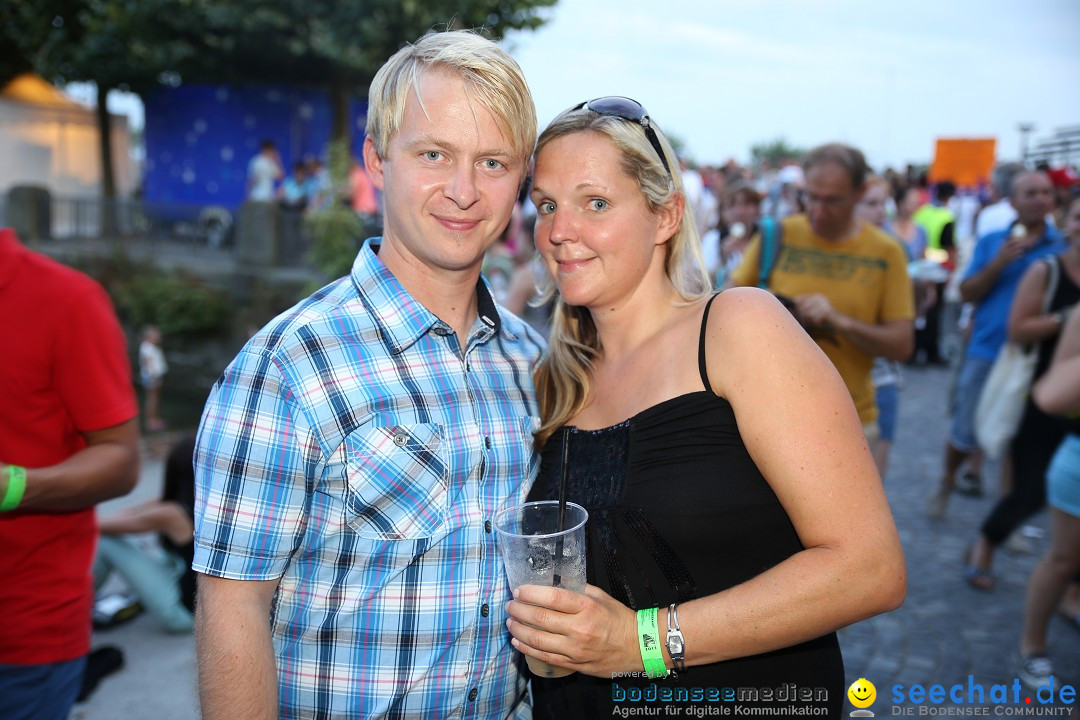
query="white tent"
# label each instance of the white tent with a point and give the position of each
(49, 140)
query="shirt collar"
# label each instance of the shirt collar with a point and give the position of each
(11, 251)
(1050, 234)
(401, 319)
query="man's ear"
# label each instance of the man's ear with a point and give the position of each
(374, 163)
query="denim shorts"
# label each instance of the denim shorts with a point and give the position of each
(888, 404)
(969, 385)
(1063, 477)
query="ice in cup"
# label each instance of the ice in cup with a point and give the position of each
(529, 540)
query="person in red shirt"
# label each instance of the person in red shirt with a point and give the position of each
(68, 440)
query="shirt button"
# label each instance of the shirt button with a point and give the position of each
(473, 693)
(401, 439)
(440, 330)
(487, 526)
(484, 610)
(487, 441)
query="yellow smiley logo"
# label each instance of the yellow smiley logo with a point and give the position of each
(862, 693)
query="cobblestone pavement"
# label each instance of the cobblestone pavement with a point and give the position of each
(944, 632)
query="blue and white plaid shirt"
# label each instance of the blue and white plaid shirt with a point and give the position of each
(354, 451)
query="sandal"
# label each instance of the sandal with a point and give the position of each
(976, 576)
(970, 484)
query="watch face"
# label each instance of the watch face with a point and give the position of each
(675, 645)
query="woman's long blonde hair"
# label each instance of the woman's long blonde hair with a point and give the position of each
(564, 377)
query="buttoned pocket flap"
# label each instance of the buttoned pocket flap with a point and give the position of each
(397, 481)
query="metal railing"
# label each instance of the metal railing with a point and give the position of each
(194, 226)
(144, 230)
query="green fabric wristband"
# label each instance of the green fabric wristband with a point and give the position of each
(652, 659)
(16, 486)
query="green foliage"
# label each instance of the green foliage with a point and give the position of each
(336, 236)
(178, 304)
(28, 32)
(336, 231)
(775, 152)
(113, 43)
(316, 43)
(137, 44)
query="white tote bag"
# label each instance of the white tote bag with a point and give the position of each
(1001, 403)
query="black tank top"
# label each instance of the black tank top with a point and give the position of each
(1067, 294)
(678, 510)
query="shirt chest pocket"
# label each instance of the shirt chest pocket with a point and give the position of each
(397, 480)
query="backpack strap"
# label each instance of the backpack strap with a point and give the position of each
(771, 243)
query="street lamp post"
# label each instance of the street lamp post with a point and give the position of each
(1025, 129)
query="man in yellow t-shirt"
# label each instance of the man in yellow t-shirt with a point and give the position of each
(846, 280)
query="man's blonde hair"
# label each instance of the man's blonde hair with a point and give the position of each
(490, 73)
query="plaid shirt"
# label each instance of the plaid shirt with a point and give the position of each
(355, 452)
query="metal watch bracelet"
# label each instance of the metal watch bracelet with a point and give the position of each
(676, 643)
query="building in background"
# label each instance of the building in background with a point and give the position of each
(49, 140)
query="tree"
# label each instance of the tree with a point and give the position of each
(338, 46)
(15, 20)
(775, 152)
(135, 45)
(112, 43)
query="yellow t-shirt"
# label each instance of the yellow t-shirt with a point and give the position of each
(864, 277)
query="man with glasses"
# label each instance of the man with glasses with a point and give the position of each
(845, 279)
(352, 457)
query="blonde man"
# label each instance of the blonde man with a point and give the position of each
(351, 458)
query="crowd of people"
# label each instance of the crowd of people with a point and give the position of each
(642, 326)
(1012, 257)
(309, 187)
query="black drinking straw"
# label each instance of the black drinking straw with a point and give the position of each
(557, 580)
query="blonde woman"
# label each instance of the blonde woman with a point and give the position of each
(720, 456)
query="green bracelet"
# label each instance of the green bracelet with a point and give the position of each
(16, 486)
(652, 659)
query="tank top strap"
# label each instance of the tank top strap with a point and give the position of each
(701, 346)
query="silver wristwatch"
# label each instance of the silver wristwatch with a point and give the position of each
(676, 643)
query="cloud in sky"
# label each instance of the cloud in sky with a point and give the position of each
(888, 77)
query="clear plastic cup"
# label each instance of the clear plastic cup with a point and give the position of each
(529, 540)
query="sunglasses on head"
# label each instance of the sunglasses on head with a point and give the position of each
(625, 108)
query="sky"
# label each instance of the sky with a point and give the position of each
(888, 77)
